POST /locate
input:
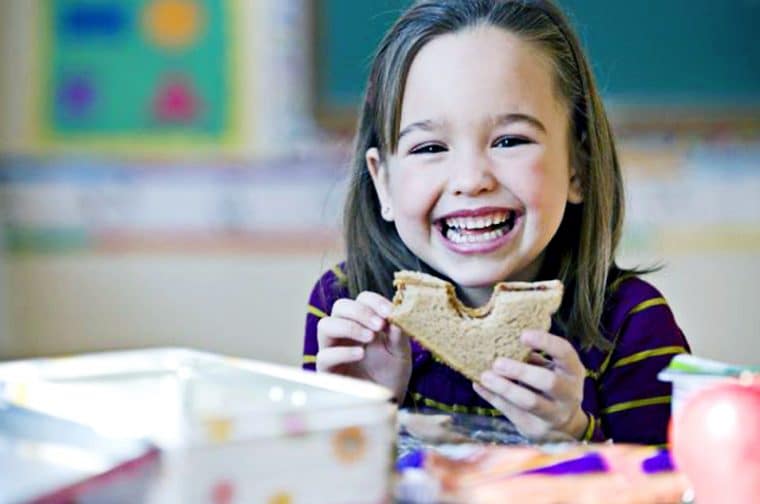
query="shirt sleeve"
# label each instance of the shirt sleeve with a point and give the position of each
(634, 405)
(329, 288)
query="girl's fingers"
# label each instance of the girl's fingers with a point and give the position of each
(358, 311)
(559, 349)
(356, 320)
(494, 399)
(328, 358)
(376, 302)
(397, 340)
(332, 330)
(539, 378)
(539, 360)
(518, 395)
(525, 421)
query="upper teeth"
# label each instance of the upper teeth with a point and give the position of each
(477, 222)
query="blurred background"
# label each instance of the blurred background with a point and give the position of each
(172, 171)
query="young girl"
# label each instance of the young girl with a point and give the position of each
(483, 155)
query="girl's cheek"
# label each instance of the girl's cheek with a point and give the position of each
(539, 183)
(416, 193)
(529, 183)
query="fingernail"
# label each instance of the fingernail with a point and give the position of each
(502, 365)
(394, 334)
(486, 377)
(378, 323)
(357, 352)
(385, 310)
(367, 335)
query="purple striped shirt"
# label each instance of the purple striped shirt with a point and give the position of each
(622, 396)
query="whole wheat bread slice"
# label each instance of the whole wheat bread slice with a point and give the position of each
(470, 339)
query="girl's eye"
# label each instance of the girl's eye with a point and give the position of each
(510, 141)
(428, 149)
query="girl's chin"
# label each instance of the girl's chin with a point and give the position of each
(475, 280)
(485, 275)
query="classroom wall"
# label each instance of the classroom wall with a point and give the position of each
(5, 330)
(15, 70)
(248, 305)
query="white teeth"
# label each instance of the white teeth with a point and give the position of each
(477, 222)
(455, 236)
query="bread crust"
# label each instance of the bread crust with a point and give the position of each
(465, 338)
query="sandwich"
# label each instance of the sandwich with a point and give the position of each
(470, 339)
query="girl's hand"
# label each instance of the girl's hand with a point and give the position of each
(356, 340)
(542, 397)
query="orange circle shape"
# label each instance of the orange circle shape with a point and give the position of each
(349, 444)
(172, 24)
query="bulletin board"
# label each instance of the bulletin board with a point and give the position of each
(137, 72)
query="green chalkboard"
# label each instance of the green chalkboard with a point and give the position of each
(681, 52)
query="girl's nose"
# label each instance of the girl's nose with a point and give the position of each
(471, 175)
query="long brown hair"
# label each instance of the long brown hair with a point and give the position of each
(582, 252)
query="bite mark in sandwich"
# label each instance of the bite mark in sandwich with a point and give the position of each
(470, 339)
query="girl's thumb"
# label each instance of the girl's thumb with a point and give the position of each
(397, 340)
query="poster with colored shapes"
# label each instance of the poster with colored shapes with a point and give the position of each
(136, 72)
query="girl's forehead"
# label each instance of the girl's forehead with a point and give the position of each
(479, 73)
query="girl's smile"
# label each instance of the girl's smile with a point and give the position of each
(480, 230)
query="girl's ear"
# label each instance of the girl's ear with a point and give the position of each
(379, 173)
(575, 191)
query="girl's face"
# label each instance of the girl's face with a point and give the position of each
(478, 185)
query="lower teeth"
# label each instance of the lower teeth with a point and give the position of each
(456, 237)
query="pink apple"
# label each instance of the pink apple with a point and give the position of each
(716, 442)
